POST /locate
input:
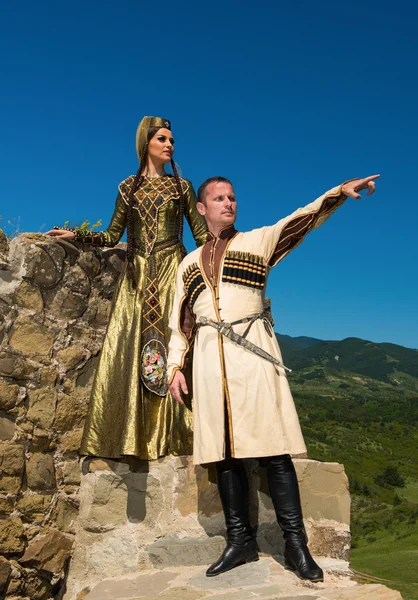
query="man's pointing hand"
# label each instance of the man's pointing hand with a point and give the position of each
(352, 188)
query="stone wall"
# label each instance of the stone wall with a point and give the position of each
(54, 304)
(166, 514)
(126, 515)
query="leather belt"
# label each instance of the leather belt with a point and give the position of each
(226, 330)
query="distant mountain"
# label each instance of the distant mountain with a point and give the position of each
(357, 403)
(382, 361)
(296, 343)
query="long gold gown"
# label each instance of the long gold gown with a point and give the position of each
(124, 417)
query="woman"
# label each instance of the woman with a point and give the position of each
(131, 411)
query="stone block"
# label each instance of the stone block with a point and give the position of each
(65, 514)
(105, 502)
(40, 472)
(31, 338)
(6, 506)
(208, 497)
(12, 536)
(145, 586)
(56, 252)
(5, 571)
(16, 367)
(77, 281)
(40, 267)
(34, 507)
(329, 540)
(185, 489)
(71, 357)
(117, 553)
(26, 427)
(7, 427)
(12, 463)
(90, 263)
(324, 490)
(29, 296)
(172, 552)
(42, 407)
(4, 244)
(70, 413)
(71, 472)
(99, 464)
(48, 376)
(70, 442)
(9, 395)
(66, 304)
(37, 587)
(102, 313)
(41, 441)
(48, 553)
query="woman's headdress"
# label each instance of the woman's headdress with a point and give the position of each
(144, 127)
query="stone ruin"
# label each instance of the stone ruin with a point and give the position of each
(67, 523)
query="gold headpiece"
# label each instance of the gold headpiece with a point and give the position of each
(144, 127)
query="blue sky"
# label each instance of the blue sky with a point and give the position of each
(287, 99)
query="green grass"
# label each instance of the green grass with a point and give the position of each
(410, 491)
(369, 424)
(393, 556)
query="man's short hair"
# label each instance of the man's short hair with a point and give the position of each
(201, 194)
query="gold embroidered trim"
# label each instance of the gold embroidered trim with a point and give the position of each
(154, 193)
(220, 343)
(305, 223)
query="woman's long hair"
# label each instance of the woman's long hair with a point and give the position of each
(138, 179)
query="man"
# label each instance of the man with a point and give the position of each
(243, 407)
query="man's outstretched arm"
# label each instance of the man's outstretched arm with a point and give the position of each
(288, 233)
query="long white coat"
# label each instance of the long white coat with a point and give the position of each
(261, 412)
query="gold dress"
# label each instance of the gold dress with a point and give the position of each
(124, 416)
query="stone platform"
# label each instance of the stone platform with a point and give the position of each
(266, 580)
(137, 516)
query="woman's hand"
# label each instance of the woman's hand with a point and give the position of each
(352, 188)
(62, 234)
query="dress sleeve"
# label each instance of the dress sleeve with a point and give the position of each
(111, 236)
(196, 222)
(283, 237)
(179, 343)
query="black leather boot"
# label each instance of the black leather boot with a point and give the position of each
(284, 491)
(233, 491)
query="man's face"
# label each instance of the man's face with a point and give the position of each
(220, 207)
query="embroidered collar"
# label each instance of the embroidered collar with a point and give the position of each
(225, 234)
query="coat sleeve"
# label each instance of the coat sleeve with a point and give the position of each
(111, 236)
(283, 237)
(179, 343)
(195, 220)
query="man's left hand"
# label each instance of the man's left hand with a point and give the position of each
(352, 188)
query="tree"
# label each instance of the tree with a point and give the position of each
(390, 478)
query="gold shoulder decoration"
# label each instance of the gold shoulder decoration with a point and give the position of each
(125, 187)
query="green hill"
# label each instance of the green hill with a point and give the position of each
(358, 405)
(379, 361)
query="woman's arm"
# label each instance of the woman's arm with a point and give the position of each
(110, 237)
(196, 222)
